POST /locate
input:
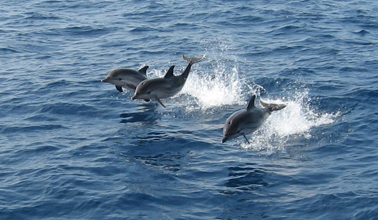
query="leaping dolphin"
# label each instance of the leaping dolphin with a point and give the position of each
(248, 120)
(126, 78)
(167, 86)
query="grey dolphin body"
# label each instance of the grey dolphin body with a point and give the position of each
(167, 86)
(126, 78)
(248, 120)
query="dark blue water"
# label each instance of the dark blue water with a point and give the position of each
(72, 147)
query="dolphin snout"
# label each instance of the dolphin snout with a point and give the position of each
(105, 80)
(134, 97)
(224, 139)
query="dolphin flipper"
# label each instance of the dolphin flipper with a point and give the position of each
(157, 99)
(192, 60)
(119, 88)
(246, 139)
(131, 86)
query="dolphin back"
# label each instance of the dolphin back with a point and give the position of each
(272, 107)
(192, 60)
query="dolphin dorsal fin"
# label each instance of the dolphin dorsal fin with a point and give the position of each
(251, 103)
(143, 70)
(169, 73)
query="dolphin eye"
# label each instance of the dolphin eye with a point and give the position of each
(149, 92)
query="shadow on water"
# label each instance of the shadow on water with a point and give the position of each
(147, 141)
(147, 115)
(166, 162)
(160, 155)
(245, 178)
(242, 190)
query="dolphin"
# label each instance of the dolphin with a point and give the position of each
(126, 78)
(167, 86)
(248, 120)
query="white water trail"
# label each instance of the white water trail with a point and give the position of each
(226, 87)
(295, 121)
(216, 82)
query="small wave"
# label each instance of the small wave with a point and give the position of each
(69, 109)
(8, 50)
(39, 16)
(30, 129)
(87, 31)
(362, 33)
(288, 29)
(142, 29)
(246, 178)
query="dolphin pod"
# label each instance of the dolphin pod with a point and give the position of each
(240, 123)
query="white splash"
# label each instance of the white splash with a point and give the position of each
(216, 81)
(215, 89)
(297, 119)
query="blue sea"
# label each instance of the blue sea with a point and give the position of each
(73, 147)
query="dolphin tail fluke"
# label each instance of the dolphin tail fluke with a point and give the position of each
(272, 107)
(192, 60)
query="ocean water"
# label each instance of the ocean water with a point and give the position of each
(72, 147)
